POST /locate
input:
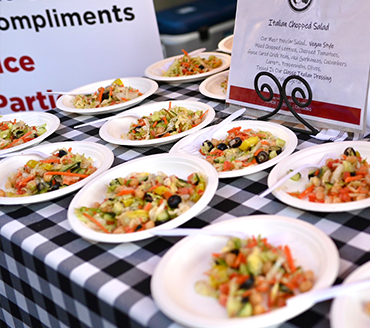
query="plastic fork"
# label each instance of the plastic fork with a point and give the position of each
(194, 147)
(26, 152)
(195, 232)
(315, 296)
(108, 119)
(294, 172)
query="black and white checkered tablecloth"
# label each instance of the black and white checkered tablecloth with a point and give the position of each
(50, 277)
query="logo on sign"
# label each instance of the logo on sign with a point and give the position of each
(299, 5)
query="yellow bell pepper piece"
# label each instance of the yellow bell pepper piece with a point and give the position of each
(248, 143)
(117, 81)
(160, 190)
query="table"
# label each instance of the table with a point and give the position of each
(50, 277)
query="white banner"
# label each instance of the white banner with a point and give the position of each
(322, 42)
(61, 45)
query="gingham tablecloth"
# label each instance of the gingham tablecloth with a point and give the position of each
(50, 277)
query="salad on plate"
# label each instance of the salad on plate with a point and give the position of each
(340, 180)
(241, 148)
(142, 201)
(63, 168)
(187, 65)
(251, 276)
(164, 123)
(113, 94)
(16, 132)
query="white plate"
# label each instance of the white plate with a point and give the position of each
(102, 156)
(152, 70)
(173, 281)
(180, 165)
(32, 118)
(226, 44)
(211, 86)
(348, 311)
(112, 130)
(314, 155)
(146, 86)
(276, 129)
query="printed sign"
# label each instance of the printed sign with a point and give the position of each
(310, 39)
(61, 45)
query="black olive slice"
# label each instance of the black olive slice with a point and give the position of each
(174, 201)
(236, 142)
(349, 151)
(222, 146)
(262, 157)
(62, 153)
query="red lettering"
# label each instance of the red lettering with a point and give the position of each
(17, 105)
(30, 101)
(7, 64)
(26, 63)
(40, 97)
(3, 102)
(27, 103)
(52, 100)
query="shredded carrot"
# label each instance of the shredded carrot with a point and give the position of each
(126, 192)
(289, 257)
(356, 177)
(26, 180)
(51, 160)
(147, 207)
(201, 116)
(257, 151)
(185, 52)
(155, 124)
(95, 221)
(16, 140)
(164, 118)
(100, 96)
(67, 173)
(304, 193)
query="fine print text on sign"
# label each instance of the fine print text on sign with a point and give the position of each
(315, 44)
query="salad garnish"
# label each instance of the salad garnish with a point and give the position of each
(14, 133)
(142, 201)
(241, 148)
(224, 84)
(251, 276)
(63, 168)
(165, 123)
(340, 180)
(187, 65)
(111, 95)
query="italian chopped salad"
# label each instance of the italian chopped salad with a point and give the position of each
(251, 276)
(241, 148)
(111, 95)
(164, 123)
(142, 201)
(14, 133)
(187, 65)
(344, 179)
(61, 169)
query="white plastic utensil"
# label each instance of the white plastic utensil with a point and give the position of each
(195, 232)
(194, 147)
(26, 152)
(315, 296)
(72, 93)
(294, 172)
(108, 119)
